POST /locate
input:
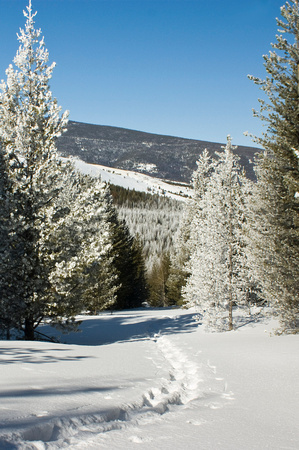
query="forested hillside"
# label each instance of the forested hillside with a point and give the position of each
(166, 157)
(152, 218)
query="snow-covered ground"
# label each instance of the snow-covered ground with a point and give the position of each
(151, 379)
(134, 180)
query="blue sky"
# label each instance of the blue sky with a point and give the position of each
(174, 67)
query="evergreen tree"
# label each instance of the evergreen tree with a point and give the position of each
(53, 235)
(158, 279)
(126, 260)
(274, 213)
(177, 277)
(9, 255)
(76, 249)
(29, 125)
(218, 262)
(185, 246)
(140, 285)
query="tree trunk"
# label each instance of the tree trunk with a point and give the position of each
(230, 298)
(230, 315)
(29, 330)
(230, 256)
(297, 45)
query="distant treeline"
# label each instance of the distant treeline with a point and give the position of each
(153, 218)
(131, 198)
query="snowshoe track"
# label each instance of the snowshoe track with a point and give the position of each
(183, 384)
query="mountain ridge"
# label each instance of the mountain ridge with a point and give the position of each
(167, 157)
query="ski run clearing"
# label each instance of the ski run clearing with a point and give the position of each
(134, 180)
(151, 379)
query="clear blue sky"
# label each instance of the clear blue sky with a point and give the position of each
(176, 67)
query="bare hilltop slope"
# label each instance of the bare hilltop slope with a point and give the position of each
(167, 157)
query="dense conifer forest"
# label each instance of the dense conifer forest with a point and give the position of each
(71, 244)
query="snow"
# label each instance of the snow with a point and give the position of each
(151, 379)
(152, 168)
(134, 180)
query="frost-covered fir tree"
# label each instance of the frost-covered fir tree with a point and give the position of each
(76, 249)
(178, 270)
(217, 265)
(42, 273)
(9, 255)
(274, 219)
(29, 124)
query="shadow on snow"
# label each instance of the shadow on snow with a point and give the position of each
(124, 327)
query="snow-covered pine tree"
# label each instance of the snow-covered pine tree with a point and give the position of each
(76, 249)
(9, 256)
(184, 246)
(46, 248)
(218, 262)
(274, 220)
(29, 125)
(100, 283)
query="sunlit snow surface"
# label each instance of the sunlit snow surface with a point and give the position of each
(151, 379)
(134, 180)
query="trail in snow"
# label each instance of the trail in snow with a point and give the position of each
(184, 380)
(143, 378)
(185, 383)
